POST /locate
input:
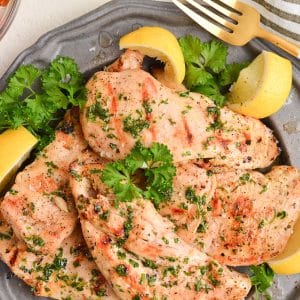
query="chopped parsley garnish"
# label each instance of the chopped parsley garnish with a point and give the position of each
(155, 162)
(281, 214)
(264, 189)
(206, 68)
(200, 202)
(149, 264)
(135, 126)
(101, 292)
(216, 125)
(73, 281)
(184, 94)
(35, 240)
(128, 223)
(244, 178)
(96, 111)
(58, 263)
(134, 263)
(75, 175)
(215, 112)
(122, 270)
(147, 107)
(6, 235)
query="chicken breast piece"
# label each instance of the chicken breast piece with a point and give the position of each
(69, 273)
(138, 251)
(238, 217)
(129, 60)
(125, 106)
(39, 207)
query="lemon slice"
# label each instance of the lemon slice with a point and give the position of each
(15, 149)
(159, 43)
(288, 262)
(263, 87)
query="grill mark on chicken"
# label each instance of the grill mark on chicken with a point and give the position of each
(149, 88)
(189, 135)
(14, 256)
(114, 110)
(242, 207)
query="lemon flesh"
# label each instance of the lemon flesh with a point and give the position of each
(159, 43)
(15, 147)
(263, 87)
(288, 262)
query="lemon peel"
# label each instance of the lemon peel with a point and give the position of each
(263, 87)
(16, 145)
(159, 43)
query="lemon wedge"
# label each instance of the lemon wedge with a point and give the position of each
(159, 43)
(263, 87)
(15, 149)
(288, 262)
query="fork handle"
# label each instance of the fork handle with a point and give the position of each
(279, 42)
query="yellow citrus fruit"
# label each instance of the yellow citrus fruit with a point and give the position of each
(263, 87)
(288, 262)
(159, 43)
(15, 149)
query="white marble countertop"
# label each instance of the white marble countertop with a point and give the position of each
(36, 17)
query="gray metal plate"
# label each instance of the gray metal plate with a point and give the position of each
(92, 41)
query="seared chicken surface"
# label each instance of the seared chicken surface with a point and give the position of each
(238, 217)
(39, 206)
(221, 212)
(137, 249)
(125, 106)
(69, 272)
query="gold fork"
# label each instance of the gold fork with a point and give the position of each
(235, 23)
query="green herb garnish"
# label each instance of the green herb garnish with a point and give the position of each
(206, 69)
(155, 164)
(261, 278)
(37, 98)
(135, 126)
(122, 270)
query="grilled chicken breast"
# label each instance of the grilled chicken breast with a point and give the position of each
(39, 207)
(129, 105)
(137, 249)
(238, 217)
(69, 273)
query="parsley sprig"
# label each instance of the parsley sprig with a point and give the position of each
(33, 97)
(206, 69)
(155, 164)
(261, 278)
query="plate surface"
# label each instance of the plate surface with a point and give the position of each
(92, 41)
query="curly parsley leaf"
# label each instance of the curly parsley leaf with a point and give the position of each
(211, 90)
(196, 76)
(231, 73)
(155, 162)
(118, 176)
(64, 80)
(261, 278)
(206, 68)
(214, 55)
(36, 98)
(191, 48)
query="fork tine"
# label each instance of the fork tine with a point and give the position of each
(230, 3)
(211, 14)
(210, 27)
(222, 9)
